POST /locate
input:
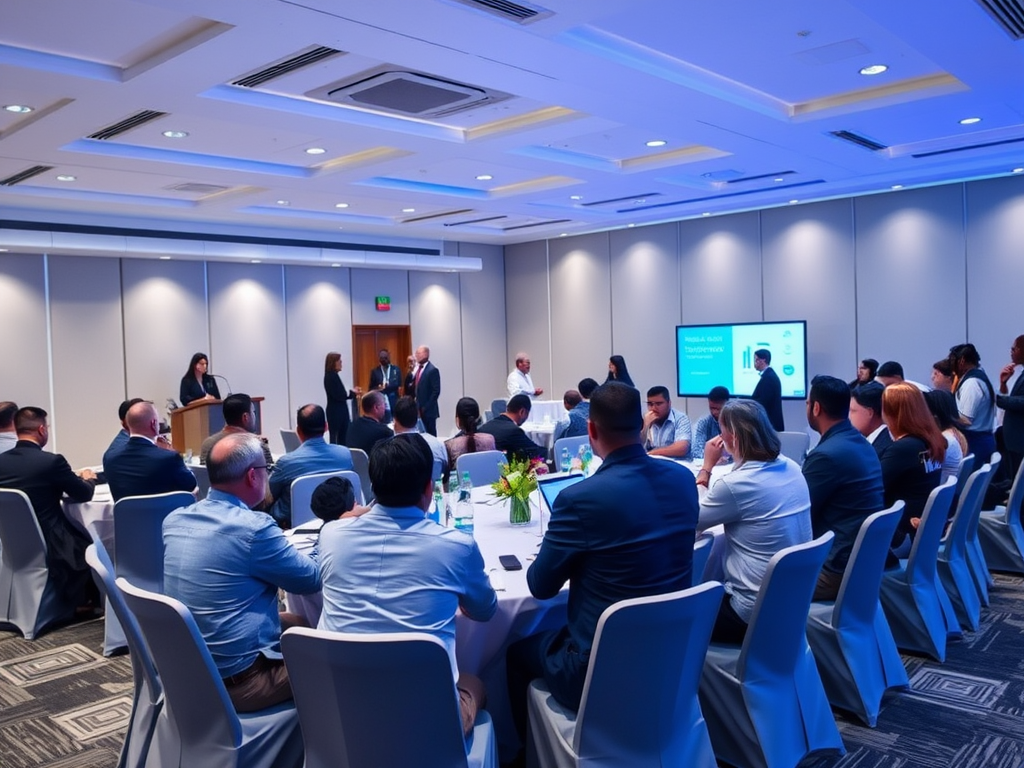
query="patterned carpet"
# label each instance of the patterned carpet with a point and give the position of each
(62, 705)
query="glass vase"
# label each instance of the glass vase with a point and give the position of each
(519, 511)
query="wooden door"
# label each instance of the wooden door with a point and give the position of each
(369, 340)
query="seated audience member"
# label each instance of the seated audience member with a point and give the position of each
(866, 415)
(468, 440)
(406, 416)
(225, 562)
(707, 426)
(942, 405)
(604, 560)
(507, 430)
(976, 401)
(912, 465)
(666, 431)
(763, 503)
(390, 569)
(314, 455)
(865, 372)
(333, 499)
(239, 417)
(891, 372)
(142, 467)
(45, 478)
(844, 478)
(575, 425)
(570, 400)
(121, 438)
(8, 434)
(369, 429)
(942, 375)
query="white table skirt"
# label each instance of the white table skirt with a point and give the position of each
(547, 411)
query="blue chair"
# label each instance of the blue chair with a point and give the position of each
(954, 570)
(302, 493)
(290, 440)
(1000, 532)
(964, 470)
(361, 465)
(498, 407)
(207, 731)
(701, 553)
(912, 594)
(139, 538)
(764, 702)
(975, 556)
(647, 653)
(484, 467)
(202, 480)
(353, 690)
(572, 443)
(794, 445)
(850, 638)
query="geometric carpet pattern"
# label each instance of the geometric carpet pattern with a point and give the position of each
(63, 705)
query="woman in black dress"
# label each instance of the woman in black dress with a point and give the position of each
(337, 399)
(617, 371)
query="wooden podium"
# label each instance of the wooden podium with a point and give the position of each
(195, 422)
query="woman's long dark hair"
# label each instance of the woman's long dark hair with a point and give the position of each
(467, 414)
(621, 374)
(195, 361)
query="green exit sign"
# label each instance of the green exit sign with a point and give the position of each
(383, 303)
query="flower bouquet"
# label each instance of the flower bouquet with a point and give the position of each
(518, 480)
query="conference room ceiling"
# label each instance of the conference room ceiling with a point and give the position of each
(454, 120)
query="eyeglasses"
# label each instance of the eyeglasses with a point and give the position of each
(259, 466)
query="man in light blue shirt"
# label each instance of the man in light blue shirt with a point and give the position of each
(225, 562)
(707, 426)
(392, 570)
(666, 430)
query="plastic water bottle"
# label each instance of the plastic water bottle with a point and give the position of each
(588, 456)
(437, 511)
(566, 460)
(464, 505)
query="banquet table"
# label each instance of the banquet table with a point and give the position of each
(547, 411)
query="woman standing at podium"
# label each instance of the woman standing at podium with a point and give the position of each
(197, 383)
(337, 399)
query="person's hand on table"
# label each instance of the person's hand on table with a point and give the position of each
(86, 474)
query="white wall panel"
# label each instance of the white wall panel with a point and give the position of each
(88, 355)
(25, 374)
(581, 320)
(484, 347)
(319, 313)
(720, 269)
(367, 284)
(437, 323)
(165, 323)
(527, 314)
(911, 295)
(247, 331)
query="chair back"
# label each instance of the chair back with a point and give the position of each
(572, 443)
(773, 646)
(437, 473)
(139, 538)
(968, 508)
(302, 493)
(202, 480)
(963, 471)
(857, 601)
(290, 439)
(498, 407)
(23, 571)
(1012, 516)
(701, 553)
(361, 465)
(648, 649)
(351, 688)
(925, 550)
(484, 467)
(195, 698)
(794, 445)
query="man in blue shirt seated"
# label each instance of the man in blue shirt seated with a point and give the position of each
(666, 430)
(225, 562)
(575, 424)
(707, 426)
(390, 569)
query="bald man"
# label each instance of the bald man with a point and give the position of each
(427, 383)
(145, 465)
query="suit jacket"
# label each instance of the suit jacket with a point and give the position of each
(1013, 418)
(312, 457)
(45, 478)
(390, 390)
(364, 433)
(190, 389)
(142, 469)
(768, 393)
(428, 391)
(882, 441)
(510, 438)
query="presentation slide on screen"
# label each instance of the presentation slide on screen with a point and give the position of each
(713, 355)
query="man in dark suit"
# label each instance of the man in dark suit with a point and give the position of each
(844, 477)
(146, 464)
(427, 384)
(45, 478)
(368, 430)
(625, 532)
(768, 391)
(507, 430)
(866, 415)
(1012, 403)
(385, 378)
(121, 438)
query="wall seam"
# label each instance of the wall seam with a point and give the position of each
(967, 291)
(856, 280)
(287, 344)
(49, 343)
(124, 339)
(551, 339)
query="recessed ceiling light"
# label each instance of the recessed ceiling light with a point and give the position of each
(176, 134)
(641, 201)
(19, 109)
(256, 261)
(874, 69)
(563, 234)
(575, 197)
(970, 120)
(283, 202)
(165, 258)
(793, 202)
(408, 210)
(315, 151)
(631, 225)
(896, 186)
(66, 177)
(778, 180)
(1018, 170)
(705, 214)
(3, 250)
(335, 265)
(657, 143)
(484, 177)
(341, 205)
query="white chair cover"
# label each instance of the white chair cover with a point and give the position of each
(210, 733)
(639, 705)
(572, 443)
(764, 702)
(912, 594)
(701, 554)
(794, 445)
(1000, 532)
(302, 493)
(352, 689)
(954, 570)
(850, 638)
(483, 466)
(361, 465)
(290, 439)
(202, 480)
(139, 537)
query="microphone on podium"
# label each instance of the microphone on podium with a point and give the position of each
(226, 382)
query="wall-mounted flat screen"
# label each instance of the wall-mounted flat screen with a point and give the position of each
(711, 355)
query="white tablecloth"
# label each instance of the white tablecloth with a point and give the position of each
(547, 411)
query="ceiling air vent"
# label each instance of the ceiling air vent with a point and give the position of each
(476, 221)
(440, 215)
(520, 13)
(860, 141)
(304, 59)
(544, 223)
(1008, 14)
(967, 148)
(28, 173)
(198, 188)
(611, 201)
(139, 118)
(779, 175)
